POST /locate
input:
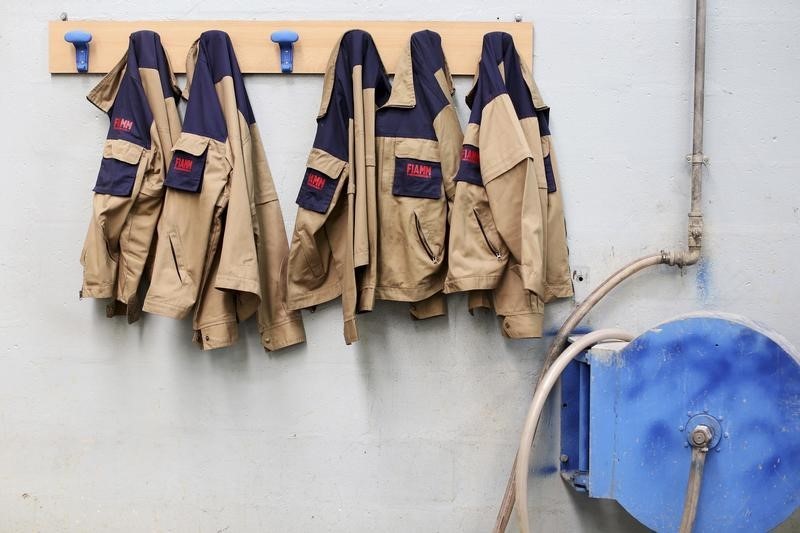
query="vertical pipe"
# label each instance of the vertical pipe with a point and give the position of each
(695, 212)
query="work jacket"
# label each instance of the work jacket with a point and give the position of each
(334, 243)
(221, 237)
(507, 230)
(418, 145)
(140, 97)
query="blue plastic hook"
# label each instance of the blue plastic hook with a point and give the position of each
(80, 39)
(285, 40)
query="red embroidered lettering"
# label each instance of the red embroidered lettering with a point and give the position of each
(182, 164)
(123, 124)
(315, 181)
(470, 155)
(415, 170)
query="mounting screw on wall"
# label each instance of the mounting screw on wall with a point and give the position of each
(580, 275)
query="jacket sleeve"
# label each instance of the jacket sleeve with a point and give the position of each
(513, 188)
(278, 326)
(311, 275)
(558, 280)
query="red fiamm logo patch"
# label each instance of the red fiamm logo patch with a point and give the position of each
(183, 164)
(123, 124)
(417, 170)
(470, 155)
(315, 181)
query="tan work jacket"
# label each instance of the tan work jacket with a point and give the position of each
(507, 230)
(221, 238)
(140, 97)
(418, 144)
(334, 243)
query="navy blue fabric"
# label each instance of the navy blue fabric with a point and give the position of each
(548, 172)
(216, 59)
(427, 57)
(130, 116)
(146, 51)
(356, 48)
(115, 177)
(417, 178)
(543, 117)
(186, 171)
(469, 169)
(499, 47)
(316, 192)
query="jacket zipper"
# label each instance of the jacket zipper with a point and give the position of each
(491, 246)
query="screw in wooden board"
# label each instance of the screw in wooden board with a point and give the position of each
(518, 17)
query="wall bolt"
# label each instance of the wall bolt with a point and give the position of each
(63, 15)
(518, 17)
(564, 458)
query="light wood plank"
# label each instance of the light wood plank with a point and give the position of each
(257, 54)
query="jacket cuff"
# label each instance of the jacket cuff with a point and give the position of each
(283, 335)
(350, 331)
(524, 326)
(560, 290)
(430, 307)
(217, 335)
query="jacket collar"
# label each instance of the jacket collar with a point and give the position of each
(499, 49)
(422, 56)
(403, 84)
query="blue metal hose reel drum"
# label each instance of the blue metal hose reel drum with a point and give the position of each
(629, 411)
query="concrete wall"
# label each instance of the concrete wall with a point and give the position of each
(105, 427)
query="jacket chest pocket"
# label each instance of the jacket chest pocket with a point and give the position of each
(188, 163)
(417, 178)
(119, 167)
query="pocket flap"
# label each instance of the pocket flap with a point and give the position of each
(122, 151)
(191, 144)
(188, 163)
(326, 163)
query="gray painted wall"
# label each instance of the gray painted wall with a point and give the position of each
(109, 427)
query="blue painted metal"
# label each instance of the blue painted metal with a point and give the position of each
(721, 370)
(286, 40)
(80, 39)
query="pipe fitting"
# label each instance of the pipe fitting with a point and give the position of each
(701, 436)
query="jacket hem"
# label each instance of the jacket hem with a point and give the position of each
(165, 309)
(310, 299)
(283, 335)
(471, 283)
(407, 294)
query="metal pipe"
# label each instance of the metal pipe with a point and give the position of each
(679, 258)
(700, 439)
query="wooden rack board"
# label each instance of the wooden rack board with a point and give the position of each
(257, 54)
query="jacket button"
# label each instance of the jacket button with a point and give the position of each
(208, 338)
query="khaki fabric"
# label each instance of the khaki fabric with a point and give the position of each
(419, 142)
(139, 95)
(334, 242)
(222, 241)
(508, 234)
